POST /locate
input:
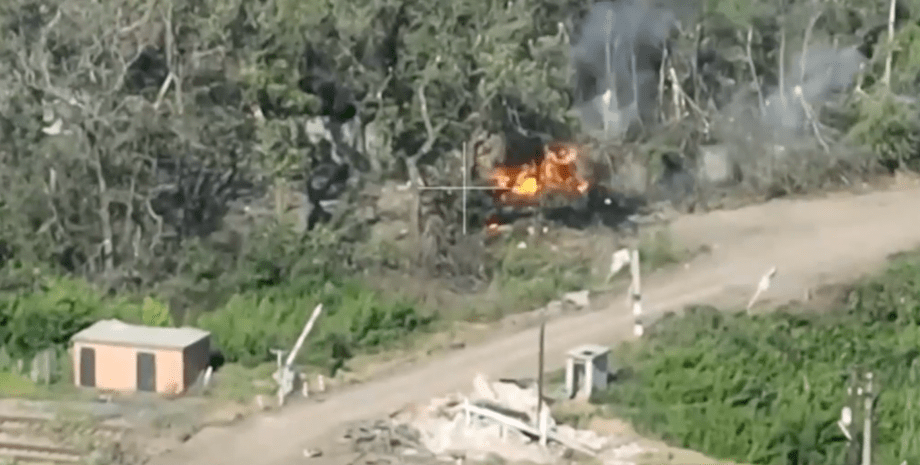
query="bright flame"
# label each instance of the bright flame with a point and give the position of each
(555, 173)
(527, 187)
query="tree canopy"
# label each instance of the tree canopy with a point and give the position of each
(134, 135)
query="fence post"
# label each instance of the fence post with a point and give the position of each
(635, 291)
(868, 400)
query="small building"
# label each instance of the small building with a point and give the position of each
(586, 370)
(115, 356)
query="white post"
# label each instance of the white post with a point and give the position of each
(635, 290)
(618, 260)
(303, 335)
(762, 286)
(589, 380)
(867, 423)
(320, 383)
(207, 375)
(544, 426)
(570, 377)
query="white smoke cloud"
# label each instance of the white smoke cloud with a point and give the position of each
(827, 71)
(617, 59)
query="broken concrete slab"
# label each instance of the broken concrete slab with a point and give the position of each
(497, 419)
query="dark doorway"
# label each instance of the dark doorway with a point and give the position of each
(146, 372)
(87, 367)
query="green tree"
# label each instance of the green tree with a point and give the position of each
(155, 313)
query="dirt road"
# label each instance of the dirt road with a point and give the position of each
(811, 242)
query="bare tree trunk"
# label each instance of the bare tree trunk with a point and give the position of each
(106, 219)
(782, 66)
(886, 78)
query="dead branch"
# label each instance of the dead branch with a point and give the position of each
(803, 60)
(163, 88)
(130, 208)
(635, 89)
(812, 117)
(689, 101)
(661, 82)
(697, 44)
(782, 66)
(680, 97)
(171, 56)
(412, 162)
(159, 222)
(104, 215)
(140, 22)
(886, 78)
(750, 60)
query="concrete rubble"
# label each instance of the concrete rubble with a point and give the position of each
(495, 419)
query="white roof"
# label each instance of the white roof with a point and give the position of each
(588, 351)
(121, 333)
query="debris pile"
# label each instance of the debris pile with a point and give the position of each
(378, 441)
(501, 419)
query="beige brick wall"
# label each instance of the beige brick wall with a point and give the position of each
(116, 367)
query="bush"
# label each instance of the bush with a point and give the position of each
(50, 314)
(769, 389)
(354, 319)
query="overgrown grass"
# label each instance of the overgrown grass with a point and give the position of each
(15, 385)
(770, 388)
(658, 249)
(237, 383)
(530, 277)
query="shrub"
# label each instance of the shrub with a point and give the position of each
(354, 319)
(769, 388)
(49, 315)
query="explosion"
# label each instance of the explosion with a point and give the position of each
(554, 172)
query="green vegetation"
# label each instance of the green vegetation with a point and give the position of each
(241, 384)
(14, 385)
(658, 250)
(769, 389)
(529, 277)
(139, 141)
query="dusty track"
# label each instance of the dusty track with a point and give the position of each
(812, 242)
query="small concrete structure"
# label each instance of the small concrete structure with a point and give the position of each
(586, 370)
(115, 356)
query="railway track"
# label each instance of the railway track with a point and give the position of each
(19, 440)
(20, 423)
(21, 452)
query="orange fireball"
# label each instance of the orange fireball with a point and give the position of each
(554, 172)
